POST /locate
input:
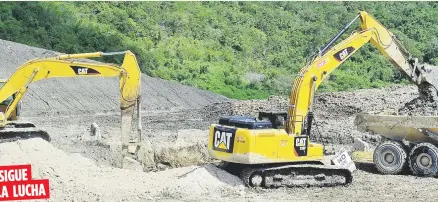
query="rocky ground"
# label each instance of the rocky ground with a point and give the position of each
(175, 120)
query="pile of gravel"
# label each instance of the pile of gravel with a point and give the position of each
(75, 178)
(426, 104)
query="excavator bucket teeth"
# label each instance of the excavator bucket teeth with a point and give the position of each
(20, 131)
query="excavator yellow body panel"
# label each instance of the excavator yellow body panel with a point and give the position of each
(260, 146)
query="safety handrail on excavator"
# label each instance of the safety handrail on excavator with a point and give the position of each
(62, 66)
(329, 58)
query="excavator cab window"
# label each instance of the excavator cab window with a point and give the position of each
(7, 101)
(276, 118)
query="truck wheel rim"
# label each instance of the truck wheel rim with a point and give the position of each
(389, 157)
(424, 161)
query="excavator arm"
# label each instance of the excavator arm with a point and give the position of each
(62, 66)
(299, 115)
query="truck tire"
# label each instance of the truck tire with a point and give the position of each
(390, 157)
(424, 160)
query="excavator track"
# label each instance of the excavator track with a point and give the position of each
(295, 176)
(22, 130)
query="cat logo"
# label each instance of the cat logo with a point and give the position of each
(343, 54)
(223, 139)
(300, 142)
(301, 145)
(84, 70)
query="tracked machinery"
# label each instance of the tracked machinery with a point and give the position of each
(14, 88)
(274, 149)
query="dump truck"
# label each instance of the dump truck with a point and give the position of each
(409, 143)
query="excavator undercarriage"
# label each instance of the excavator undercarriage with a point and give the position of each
(290, 175)
(15, 129)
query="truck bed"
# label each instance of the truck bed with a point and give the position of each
(408, 128)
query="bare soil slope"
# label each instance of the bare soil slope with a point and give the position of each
(92, 95)
(75, 178)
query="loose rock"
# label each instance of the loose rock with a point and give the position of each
(360, 145)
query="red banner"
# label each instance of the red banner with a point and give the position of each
(16, 183)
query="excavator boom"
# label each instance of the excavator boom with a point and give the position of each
(311, 76)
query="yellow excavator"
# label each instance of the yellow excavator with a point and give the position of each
(274, 149)
(67, 65)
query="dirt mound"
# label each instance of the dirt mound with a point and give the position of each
(73, 177)
(335, 112)
(94, 95)
(426, 104)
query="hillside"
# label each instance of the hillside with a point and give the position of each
(238, 49)
(95, 95)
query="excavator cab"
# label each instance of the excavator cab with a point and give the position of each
(4, 105)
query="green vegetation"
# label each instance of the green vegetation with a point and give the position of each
(238, 49)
